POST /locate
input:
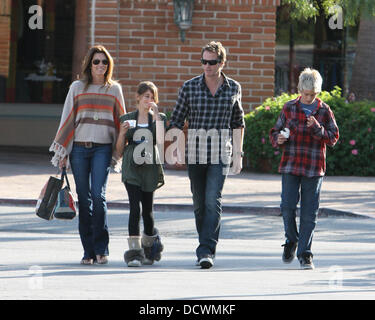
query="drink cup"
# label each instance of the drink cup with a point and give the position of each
(132, 123)
(285, 133)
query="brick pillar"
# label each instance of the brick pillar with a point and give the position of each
(4, 37)
(14, 25)
(81, 32)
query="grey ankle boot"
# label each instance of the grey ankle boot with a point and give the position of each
(152, 247)
(135, 256)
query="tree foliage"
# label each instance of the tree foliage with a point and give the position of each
(352, 9)
(353, 155)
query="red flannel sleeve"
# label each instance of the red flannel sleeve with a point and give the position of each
(327, 131)
(279, 125)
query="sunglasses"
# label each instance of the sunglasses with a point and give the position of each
(97, 61)
(210, 62)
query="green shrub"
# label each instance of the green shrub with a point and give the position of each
(352, 155)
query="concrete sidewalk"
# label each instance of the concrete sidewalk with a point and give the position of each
(23, 175)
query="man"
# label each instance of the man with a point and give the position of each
(211, 102)
(304, 128)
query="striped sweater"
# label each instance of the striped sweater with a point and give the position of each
(90, 116)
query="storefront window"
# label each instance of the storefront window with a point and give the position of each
(301, 44)
(41, 60)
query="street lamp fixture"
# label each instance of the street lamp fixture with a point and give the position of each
(183, 15)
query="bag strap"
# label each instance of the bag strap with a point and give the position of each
(64, 175)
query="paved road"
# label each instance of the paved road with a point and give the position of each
(40, 260)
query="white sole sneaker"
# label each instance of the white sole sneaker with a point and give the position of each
(206, 262)
(134, 263)
(307, 266)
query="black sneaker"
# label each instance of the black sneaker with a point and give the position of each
(289, 251)
(306, 261)
(206, 262)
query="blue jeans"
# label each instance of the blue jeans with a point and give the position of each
(206, 183)
(309, 207)
(90, 167)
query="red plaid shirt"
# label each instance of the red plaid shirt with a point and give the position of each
(304, 154)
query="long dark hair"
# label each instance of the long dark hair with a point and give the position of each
(86, 66)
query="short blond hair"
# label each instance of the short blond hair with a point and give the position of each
(310, 79)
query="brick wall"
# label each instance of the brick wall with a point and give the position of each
(4, 36)
(144, 40)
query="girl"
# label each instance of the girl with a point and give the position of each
(142, 172)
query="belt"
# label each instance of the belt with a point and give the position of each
(89, 145)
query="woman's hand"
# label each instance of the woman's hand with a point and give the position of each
(154, 107)
(62, 162)
(124, 127)
(155, 110)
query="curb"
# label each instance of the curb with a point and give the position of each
(272, 211)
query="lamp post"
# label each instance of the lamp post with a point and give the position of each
(183, 15)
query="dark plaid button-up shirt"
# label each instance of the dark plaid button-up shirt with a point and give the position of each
(304, 154)
(211, 118)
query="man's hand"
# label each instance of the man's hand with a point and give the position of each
(237, 164)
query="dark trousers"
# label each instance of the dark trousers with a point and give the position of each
(206, 183)
(137, 197)
(310, 196)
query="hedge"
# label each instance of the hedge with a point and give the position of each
(352, 155)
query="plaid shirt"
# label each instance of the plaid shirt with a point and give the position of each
(213, 116)
(304, 154)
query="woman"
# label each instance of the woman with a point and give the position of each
(142, 172)
(304, 128)
(87, 134)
